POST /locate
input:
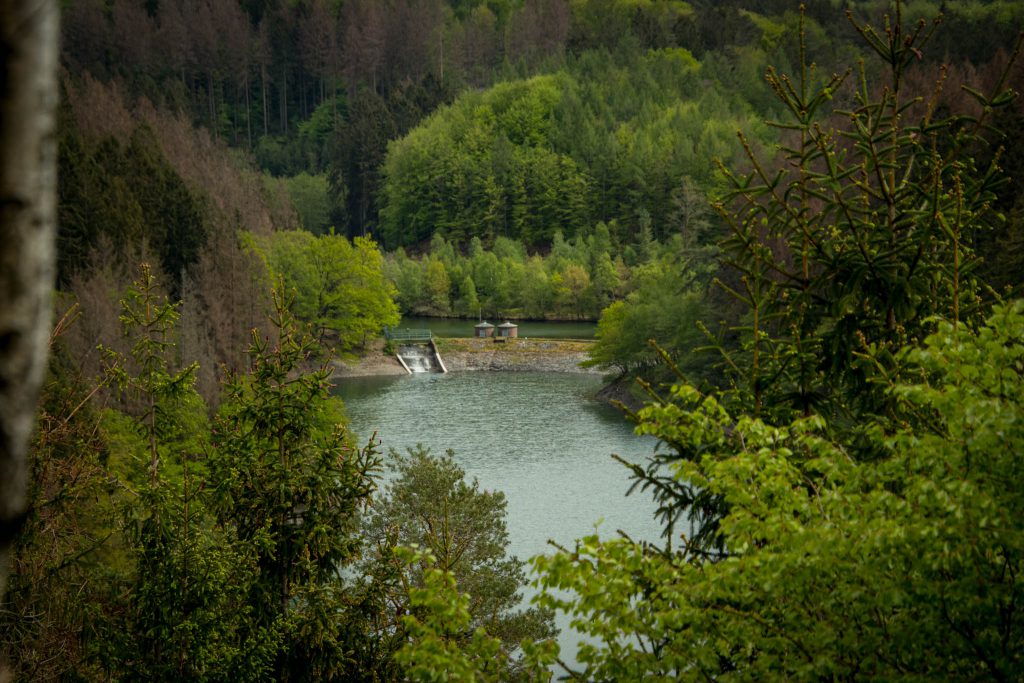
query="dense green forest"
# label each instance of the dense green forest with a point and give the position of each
(815, 214)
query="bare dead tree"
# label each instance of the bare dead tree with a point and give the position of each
(28, 181)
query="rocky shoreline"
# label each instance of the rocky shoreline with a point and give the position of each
(482, 355)
(619, 393)
(496, 361)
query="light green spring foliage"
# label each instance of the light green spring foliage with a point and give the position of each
(667, 302)
(336, 285)
(576, 280)
(442, 643)
(834, 569)
(453, 174)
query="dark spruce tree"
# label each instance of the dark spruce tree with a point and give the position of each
(847, 249)
(185, 616)
(286, 476)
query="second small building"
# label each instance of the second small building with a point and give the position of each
(508, 330)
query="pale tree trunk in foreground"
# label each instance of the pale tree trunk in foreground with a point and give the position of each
(28, 181)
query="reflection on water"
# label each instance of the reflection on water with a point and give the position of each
(539, 437)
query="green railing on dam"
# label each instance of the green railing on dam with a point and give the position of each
(408, 334)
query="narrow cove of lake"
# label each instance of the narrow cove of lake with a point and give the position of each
(541, 438)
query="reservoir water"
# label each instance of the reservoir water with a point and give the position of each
(541, 438)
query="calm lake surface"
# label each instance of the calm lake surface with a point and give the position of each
(541, 438)
(452, 327)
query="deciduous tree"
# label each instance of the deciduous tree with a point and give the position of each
(28, 182)
(430, 505)
(830, 567)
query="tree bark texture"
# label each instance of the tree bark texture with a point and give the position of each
(28, 180)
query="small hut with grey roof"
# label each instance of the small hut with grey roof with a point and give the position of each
(508, 330)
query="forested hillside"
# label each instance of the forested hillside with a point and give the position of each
(636, 94)
(816, 214)
(508, 118)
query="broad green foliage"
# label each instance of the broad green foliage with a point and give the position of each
(667, 298)
(575, 281)
(285, 475)
(337, 286)
(429, 505)
(437, 284)
(484, 166)
(833, 568)
(442, 644)
(668, 301)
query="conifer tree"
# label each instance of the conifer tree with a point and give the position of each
(847, 252)
(430, 505)
(840, 510)
(186, 616)
(862, 236)
(286, 475)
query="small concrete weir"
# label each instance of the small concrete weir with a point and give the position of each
(417, 351)
(418, 358)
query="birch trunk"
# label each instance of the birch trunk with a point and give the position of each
(28, 179)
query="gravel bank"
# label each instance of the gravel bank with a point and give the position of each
(374, 363)
(470, 355)
(515, 355)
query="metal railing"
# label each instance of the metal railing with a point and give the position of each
(408, 334)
